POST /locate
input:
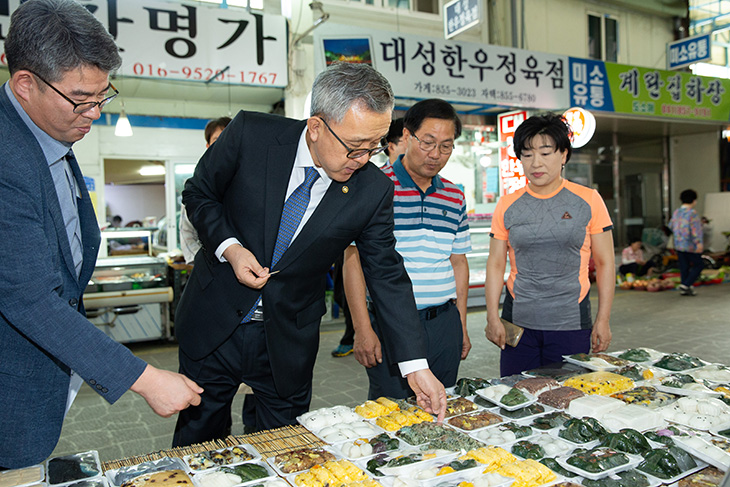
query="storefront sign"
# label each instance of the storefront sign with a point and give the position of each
(173, 41)
(460, 15)
(510, 168)
(619, 88)
(582, 123)
(426, 67)
(688, 51)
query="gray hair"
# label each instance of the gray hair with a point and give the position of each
(51, 37)
(342, 85)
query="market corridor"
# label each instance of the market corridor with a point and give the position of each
(665, 321)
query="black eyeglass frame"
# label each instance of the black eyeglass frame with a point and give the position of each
(356, 153)
(85, 106)
(440, 146)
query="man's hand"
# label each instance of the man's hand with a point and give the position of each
(465, 347)
(248, 270)
(700, 248)
(430, 393)
(367, 347)
(166, 392)
(495, 332)
(600, 336)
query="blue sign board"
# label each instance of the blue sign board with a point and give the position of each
(460, 15)
(688, 51)
(589, 86)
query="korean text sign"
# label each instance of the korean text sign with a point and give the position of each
(689, 50)
(644, 91)
(428, 67)
(174, 41)
(511, 171)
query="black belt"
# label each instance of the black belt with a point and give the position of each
(427, 313)
(432, 312)
(258, 314)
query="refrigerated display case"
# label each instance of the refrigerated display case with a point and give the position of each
(479, 228)
(127, 298)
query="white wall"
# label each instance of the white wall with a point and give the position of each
(180, 145)
(561, 26)
(694, 165)
(717, 209)
(135, 201)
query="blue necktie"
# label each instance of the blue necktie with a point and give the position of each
(291, 216)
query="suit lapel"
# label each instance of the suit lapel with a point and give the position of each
(337, 196)
(90, 235)
(54, 208)
(279, 164)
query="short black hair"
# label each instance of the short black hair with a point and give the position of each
(395, 132)
(215, 124)
(431, 108)
(634, 240)
(553, 126)
(688, 196)
(52, 37)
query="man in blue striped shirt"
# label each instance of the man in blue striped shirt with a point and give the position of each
(432, 236)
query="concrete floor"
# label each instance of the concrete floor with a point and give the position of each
(665, 321)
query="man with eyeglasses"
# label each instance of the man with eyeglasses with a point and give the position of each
(432, 236)
(275, 202)
(59, 57)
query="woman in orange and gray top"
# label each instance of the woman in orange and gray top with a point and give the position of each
(549, 229)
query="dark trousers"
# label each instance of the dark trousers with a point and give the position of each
(339, 296)
(241, 358)
(444, 338)
(538, 348)
(690, 267)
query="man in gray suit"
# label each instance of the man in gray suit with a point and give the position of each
(59, 58)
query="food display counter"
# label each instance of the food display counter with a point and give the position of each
(127, 298)
(635, 418)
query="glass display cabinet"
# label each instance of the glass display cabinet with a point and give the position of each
(127, 298)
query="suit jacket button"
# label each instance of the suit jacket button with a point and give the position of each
(105, 390)
(99, 387)
(239, 312)
(92, 382)
(73, 302)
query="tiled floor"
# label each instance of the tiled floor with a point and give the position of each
(665, 321)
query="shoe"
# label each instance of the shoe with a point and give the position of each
(687, 290)
(342, 351)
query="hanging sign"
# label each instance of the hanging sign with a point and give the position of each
(511, 171)
(460, 15)
(582, 123)
(689, 50)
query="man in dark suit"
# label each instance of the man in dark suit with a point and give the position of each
(249, 313)
(59, 58)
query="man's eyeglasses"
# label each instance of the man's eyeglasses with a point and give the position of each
(85, 106)
(445, 148)
(356, 153)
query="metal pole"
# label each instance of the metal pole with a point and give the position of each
(620, 230)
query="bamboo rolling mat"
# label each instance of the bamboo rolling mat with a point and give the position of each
(268, 443)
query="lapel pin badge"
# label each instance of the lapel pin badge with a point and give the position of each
(345, 189)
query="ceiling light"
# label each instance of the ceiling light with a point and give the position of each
(123, 128)
(155, 170)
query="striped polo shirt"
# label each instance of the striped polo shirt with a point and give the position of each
(429, 228)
